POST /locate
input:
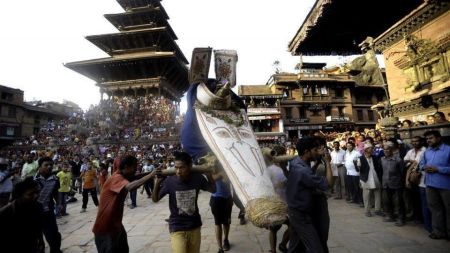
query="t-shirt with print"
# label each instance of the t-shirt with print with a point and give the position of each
(183, 207)
(65, 180)
(89, 177)
(110, 209)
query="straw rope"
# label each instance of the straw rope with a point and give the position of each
(266, 212)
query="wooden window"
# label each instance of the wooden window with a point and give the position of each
(360, 115)
(12, 112)
(305, 90)
(7, 96)
(315, 113)
(328, 111)
(288, 112)
(315, 90)
(339, 93)
(37, 120)
(302, 112)
(341, 110)
(10, 131)
(370, 115)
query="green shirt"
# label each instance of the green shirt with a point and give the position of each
(29, 169)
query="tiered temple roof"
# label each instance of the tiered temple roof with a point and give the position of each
(133, 4)
(144, 56)
(139, 17)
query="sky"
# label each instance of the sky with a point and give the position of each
(38, 37)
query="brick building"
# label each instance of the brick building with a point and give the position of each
(263, 111)
(414, 39)
(314, 99)
(21, 119)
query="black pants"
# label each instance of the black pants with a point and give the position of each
(148, 186)
(303, 234)
(115, 243)
(4, 198)
(51, 233)
(354, 189)
(321, 218)
(221, 209)
(133, 196)
(393, 203)
(86, 192)
(411, 198)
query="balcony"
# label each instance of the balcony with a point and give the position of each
(251, 111)
(342, 118)
(340, 99)
(299, 120)
(364, 102)
(309, 98)
(324, 76)
(269, 136)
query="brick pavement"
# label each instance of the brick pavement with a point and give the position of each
(147, 231)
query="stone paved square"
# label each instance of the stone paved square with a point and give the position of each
(350, 231)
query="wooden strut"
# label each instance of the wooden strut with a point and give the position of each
(203, 168)
(195, 169)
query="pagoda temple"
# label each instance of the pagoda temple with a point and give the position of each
(144, 57)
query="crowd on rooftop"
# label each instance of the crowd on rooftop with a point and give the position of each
(125, 118)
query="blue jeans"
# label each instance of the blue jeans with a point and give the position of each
(425, 211)
(62, 203)
(439, 205)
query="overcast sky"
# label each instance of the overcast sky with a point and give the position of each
(37, 37)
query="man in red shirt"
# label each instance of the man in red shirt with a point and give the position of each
(110, 235)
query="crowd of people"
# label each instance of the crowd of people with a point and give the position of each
(125, 118)
(61, 174)
(436, 118)
(397, 181)
(387, 179)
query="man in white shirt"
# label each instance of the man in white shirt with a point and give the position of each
(415, 154)
(147, 168)
(338, 169)
(351, 156)
(410, 195)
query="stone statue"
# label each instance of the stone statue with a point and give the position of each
(365, 69)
